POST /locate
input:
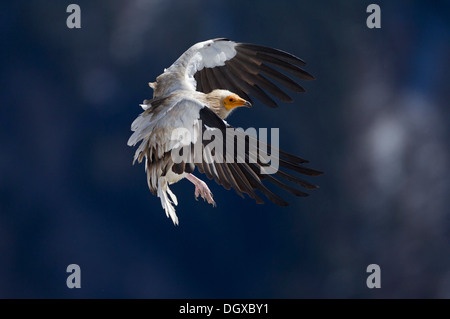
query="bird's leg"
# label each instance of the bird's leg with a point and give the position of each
(201, 189)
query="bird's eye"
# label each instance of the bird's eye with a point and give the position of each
(231, 100)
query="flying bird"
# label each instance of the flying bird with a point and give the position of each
(197, 93)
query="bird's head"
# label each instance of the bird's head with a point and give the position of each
(230, 101)
(224, 101)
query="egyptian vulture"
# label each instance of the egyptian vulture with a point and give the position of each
(194, 96)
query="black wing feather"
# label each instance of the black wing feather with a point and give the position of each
(244, 176)
(243, 74)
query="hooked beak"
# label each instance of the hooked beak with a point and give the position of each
(247, 104)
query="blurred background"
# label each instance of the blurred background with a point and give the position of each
(376, 120)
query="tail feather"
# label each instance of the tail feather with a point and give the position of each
(166, 203)
(172, 196)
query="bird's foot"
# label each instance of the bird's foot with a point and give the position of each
(201, 189)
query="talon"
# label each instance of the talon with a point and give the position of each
(197, 193)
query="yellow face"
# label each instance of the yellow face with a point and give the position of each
(233, 100)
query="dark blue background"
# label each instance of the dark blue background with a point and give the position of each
(376, 120)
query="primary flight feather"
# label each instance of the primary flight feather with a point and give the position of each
(195, 95)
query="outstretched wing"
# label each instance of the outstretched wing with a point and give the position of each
(244, 171)
(242, 68)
